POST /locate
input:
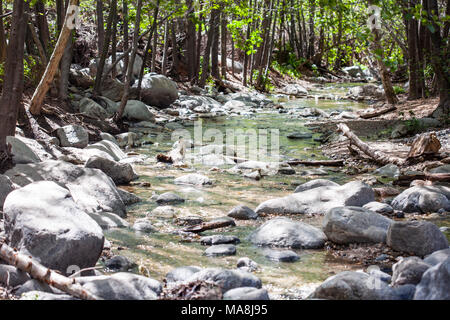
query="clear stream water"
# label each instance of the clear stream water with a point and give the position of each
(158, 253)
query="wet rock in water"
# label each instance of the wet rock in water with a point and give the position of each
(73, 136)
(408, 271)
(320, 200)
(122, 286)
(169, 198)
(11, 276)
(121, 173)
(437, 257)
(110, 148)
(144, 226)
(378, 207)
(165, 212)
(350, 285)
(227, 279)
(281, 256)
(435, 283)
(246, 294)
(315, 184)
(242, 213)
(390, 171)
(416, 237)
(128, 198)
(45, 296)
(21, 152)
(295, 90)
(246, 264)
(182, 273)
(43, 221)
(194, 179)
(118, 264)
(423, 199)
(355, 225)
(221, 250)
(283, 232)
(6, 187)
(219, 239)
(300, 136)
(158, 90)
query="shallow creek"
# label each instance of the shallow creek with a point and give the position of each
(158, 253)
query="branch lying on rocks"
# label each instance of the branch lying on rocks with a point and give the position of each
(376, 155)
(376, 113)
(205, 226)
(328, 163)
(41, 273)
(405, 181)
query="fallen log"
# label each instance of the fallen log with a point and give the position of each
(426, 144)
(405, 181)
(326, 163)
(376, 113)
(205, 226)
(376, 155)
(43, 274)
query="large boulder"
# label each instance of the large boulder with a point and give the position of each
(437, 257)
(73, 136)
(121, 173)
(21, 152)
(91, 189)
(315, 184)
(227, 279)
(416, 237)
(283, 232)
(378, 207)
(122, 286)
(423, 199)
(355, 225)
(110, 148)
(6, 187)
(158, 90)
(408, 271)
(42, 220)
(243, 213)
(92, 109)
(320, 200)
(138, 111)
(435, 283)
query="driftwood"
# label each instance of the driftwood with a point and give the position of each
(327, 163)
(377, 155)
(405, 181)
(376, 113)
(205, 226)
(41, 273)
(426, 144)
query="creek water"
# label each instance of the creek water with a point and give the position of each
(158, 253)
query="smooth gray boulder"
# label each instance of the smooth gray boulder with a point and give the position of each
(437, 257)
(110, 148)
(243, 213)
(283, 232)
(227, 279)
(91, 189)
(109, 137)
(219, 239)
(295, 90)
(220, 250)
(419, 238)
(92, 109)
(119, 264)
(43, 220)
(423, 199)
(21, 152)
(194, 179)
(319, 200)
(73, 136)
(246, 294)
(378, 207)
(435, 283)
(315, 184)
(108, 220)
(355, 225)
(390, 170)
(169, 198)
(6, 187)
(128, 198)
(121, 173)
(408, 271)
(182, 273)
(138, 111)
(158, 90)
(144, 226)
(122, 286)
(281, 256)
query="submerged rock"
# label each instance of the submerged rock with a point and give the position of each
(320, 200)
(283, 232)
(355, 225)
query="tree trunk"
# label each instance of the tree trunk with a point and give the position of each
(223, 44)
(166, 47)
(125, 35)
(2, 36)
(129, 76)
(215, 25)
(42, 24)
(190, 39)
(100, 26)
(13, 82)
(207, 54)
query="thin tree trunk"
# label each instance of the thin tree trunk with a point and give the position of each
(190, 39)
(166, 47)
(207, 55)
(223, 44)
(100, 26)
(114, 39)
(125, 35)
(215, 25)
(2, 36)
(42, 24)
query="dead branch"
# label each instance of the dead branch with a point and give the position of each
(41, 273)
(376, 113)
(405, 181)
(376, 155)
(205, 226)
(327, 163)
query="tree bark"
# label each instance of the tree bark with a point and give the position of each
(3, 44)
(42, 24)
(190, 39)
(100, 26)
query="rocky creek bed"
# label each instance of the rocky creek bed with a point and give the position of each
(286, 232)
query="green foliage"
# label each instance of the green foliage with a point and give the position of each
(398, 90)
